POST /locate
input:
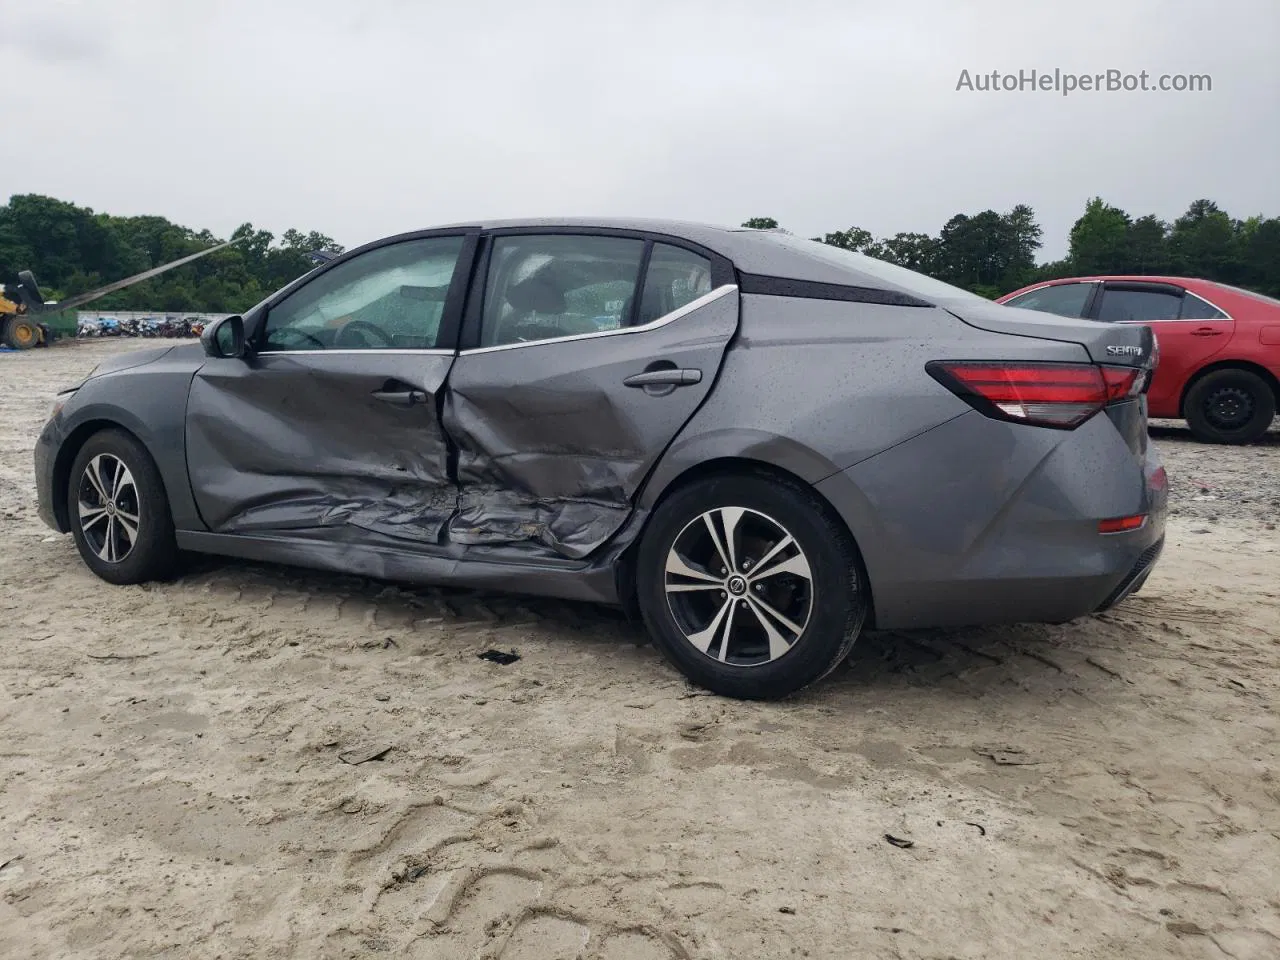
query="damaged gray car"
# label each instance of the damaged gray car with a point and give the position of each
(760, 444)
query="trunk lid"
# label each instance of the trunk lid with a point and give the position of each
(1115, 344)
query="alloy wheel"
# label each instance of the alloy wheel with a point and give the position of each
(739, 586)
(108, 508)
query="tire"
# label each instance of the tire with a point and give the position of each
(1230, 406)
(829, 606)
(105, 545)
(21, 333)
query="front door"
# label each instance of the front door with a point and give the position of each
(584, 359)
(330, 429)
(1189, 330)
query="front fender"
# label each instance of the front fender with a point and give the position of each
(150, 401)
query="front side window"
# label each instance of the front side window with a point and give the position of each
(1143, 306)
(1064, 299)
(675, 277)
(389, 298)
(562, 285)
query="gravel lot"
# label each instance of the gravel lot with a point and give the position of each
(1242, 483)
(179, 770)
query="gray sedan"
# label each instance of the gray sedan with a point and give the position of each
(762, 445)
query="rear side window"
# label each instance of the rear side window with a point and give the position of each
(1193, 308)
(1144, 306)
(676, 277)
(541, 287)
(1064, 299)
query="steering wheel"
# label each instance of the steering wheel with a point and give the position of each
(360, 333)
(279, 336)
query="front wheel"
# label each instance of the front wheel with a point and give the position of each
(1230, 406)
(750, 586)
(118, 510)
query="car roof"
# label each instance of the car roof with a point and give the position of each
(687, 229)
(1224, 295)
(1127, 277)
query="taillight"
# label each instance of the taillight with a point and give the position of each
(1062, 395)
(1122, 382)
(1123, 524)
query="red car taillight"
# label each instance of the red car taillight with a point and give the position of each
(1062, 395)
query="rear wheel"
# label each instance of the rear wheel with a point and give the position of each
(750, 586)
(118, 510)
(1230, 406)
(21, 333)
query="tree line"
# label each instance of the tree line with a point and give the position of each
(72, 249)
(993, 253)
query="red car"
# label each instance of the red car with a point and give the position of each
(1219, 346)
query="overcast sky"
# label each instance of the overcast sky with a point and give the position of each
(363, 119)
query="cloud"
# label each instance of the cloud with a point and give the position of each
(360, 121)
(54, 32)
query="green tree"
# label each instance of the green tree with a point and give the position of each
(1099, 239)
(1204, 243)
(855, 239)
(986, 251)
(1146, 247)
(761, 223)
(1259, 243)
(915, 251)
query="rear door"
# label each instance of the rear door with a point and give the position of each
(583, 355)
(1189, 330)
(330, 429)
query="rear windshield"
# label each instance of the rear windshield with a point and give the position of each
(901, 278)
(1251, 295)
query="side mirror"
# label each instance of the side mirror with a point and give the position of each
(224, 339)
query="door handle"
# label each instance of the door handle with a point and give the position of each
(1206, 332)
(400, 398)
(664, 378)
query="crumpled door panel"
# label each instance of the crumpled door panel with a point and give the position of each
(298, 443)
(552, 446)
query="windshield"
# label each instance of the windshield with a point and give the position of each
(900, 277)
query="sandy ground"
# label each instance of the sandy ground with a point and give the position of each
(173, 781)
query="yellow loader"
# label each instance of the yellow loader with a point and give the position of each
(22, 304)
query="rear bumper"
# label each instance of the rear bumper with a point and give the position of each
(1136, 577)
(980, 522)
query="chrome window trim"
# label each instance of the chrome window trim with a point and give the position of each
(662, 321)
(425, 352)
(1186, 292)
(1204, 299)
